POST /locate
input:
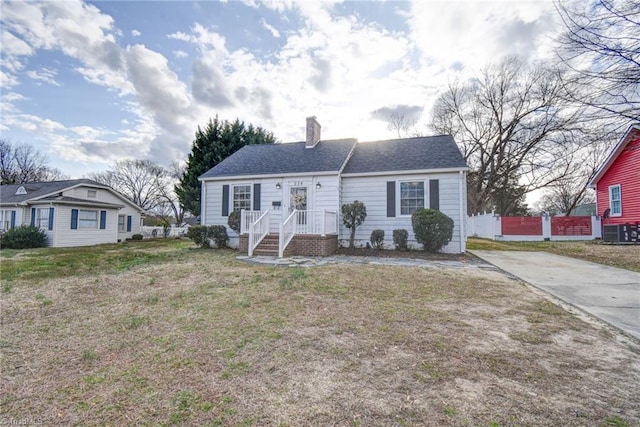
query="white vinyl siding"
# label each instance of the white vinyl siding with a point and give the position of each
(615, 200)
(371, 190)
(325, 197)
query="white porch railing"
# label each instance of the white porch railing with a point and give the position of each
(306, 222)
(247, 218)
(287, 231)
(257, 230)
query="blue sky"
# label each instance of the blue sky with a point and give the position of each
(90, 83)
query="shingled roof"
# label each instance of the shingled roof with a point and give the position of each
(37, 190)
(420, 153)
(280, 159)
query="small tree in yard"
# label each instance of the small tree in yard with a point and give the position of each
(353, 214)
(234, 221)
(432, 228)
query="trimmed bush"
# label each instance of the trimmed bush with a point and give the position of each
(198, 233)
(202, 235)
(377, 239)
(432, 228)
(234, 221)
(218, 233)
(136, 237)
(400, 237)
(353, 214)
(24, 237)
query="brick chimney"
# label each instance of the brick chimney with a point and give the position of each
(313, 132)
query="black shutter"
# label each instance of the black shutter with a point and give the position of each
(434, 194)
(256, 197)
(391, 199)
(128, 223)
(33, 216)
(225, 201)
(74, 219)
(13, 219)
(103, 220)
(50, 219)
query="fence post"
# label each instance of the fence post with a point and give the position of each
(596, 227)
(546, 226)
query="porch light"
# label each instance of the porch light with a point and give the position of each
(318, 186)
(277, 185)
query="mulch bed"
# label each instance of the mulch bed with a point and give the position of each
(416, 254)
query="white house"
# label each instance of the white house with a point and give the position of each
(290, 194)
(76, 212)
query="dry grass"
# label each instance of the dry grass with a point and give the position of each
(622, 256)
(203, 339)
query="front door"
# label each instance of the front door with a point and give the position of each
(298, 200)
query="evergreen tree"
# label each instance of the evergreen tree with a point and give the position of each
(217, 141)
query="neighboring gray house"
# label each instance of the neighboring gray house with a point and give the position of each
(291, 194)
(76, 212)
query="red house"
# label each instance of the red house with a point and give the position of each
(617, 181)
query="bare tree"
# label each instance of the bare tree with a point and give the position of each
(601, 48)
(23, 163)
(514, 130)
(563, 196)
(147, 184)
(402, 124)
(141, 181)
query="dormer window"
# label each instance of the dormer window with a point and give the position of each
(21, 191)
(92, 194)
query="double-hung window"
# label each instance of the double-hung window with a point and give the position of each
(42, 218)
(87, 219)
(6, 219)
(241, 197)
(615, 200)
(122, 224)
(411, 196)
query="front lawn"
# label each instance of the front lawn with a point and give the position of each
(185, 336)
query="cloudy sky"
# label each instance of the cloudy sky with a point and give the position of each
(89, 83)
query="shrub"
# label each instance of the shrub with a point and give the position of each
(24, 237)
(353, 214)
(400, 237)
(136, 237)
(198, 233)
(202, 235)
(432, 228)
(377, 239)
(234, 221)
(218, 233)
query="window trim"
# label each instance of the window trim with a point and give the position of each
(232, 189)
(92, 194)
(80, 220)
(425, 195)
(611, 188)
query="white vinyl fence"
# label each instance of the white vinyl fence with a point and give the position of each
(158, 231)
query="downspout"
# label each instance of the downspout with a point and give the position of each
(463, 219)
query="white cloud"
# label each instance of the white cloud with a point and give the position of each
(179, 54)
(46, 75)
(273, 30)
(135, 33)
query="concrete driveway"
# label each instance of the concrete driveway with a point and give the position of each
(608, 293)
